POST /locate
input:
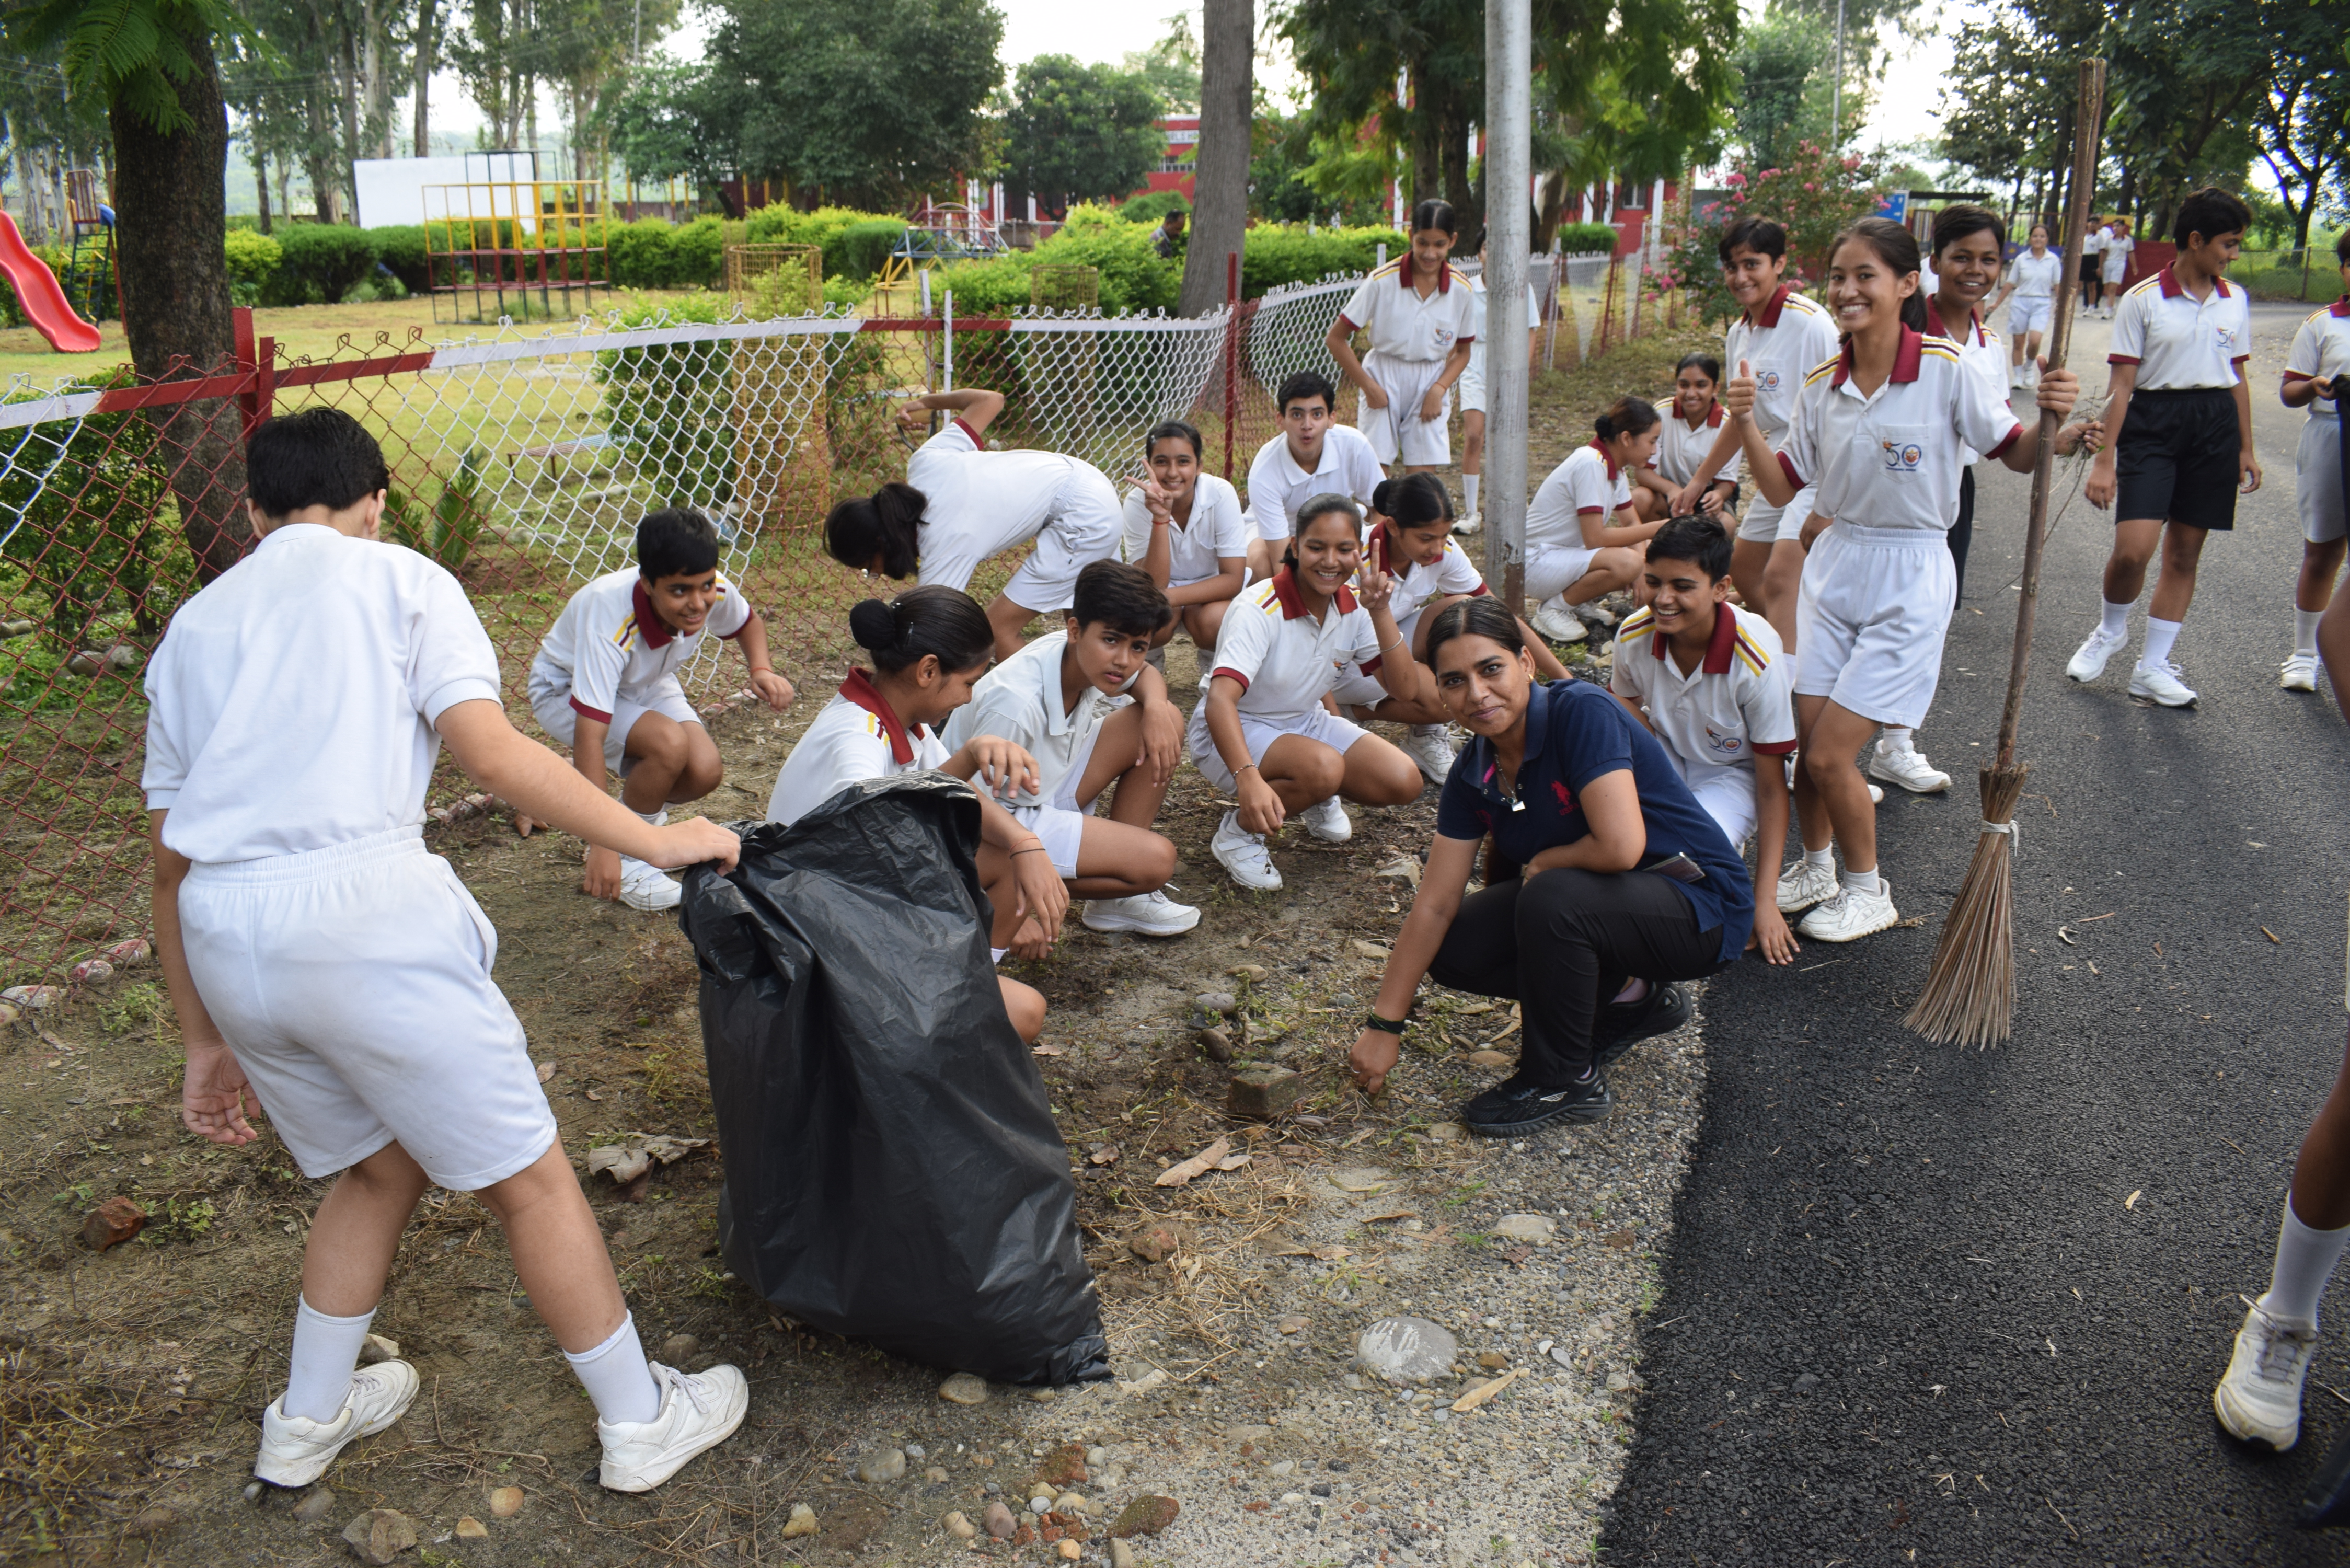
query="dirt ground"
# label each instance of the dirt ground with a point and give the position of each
(131, 1381)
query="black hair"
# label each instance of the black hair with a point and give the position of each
(1317, 507)
(1416, 500)
(1174, 429)
(676, 541)
(1954, 223)
(2342, 247)
(932, 621)
(1760, 235)
(1704, 361)
(1435, 213)
(886, 524)
(1480, 616)
(2211, 212)
(1120, 597)
(1693, 538)
(1383, 496)
(1303, 385)
(1628, 415)
(318, 457)
(1896, 248)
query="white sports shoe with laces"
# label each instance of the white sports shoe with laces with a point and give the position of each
(1430, 745)
(1151, 914)
(644, 885)
(1243, 854)
(2300, 673)
(2088, 661)
(698, 1410)
(1326, 820)
(2161, 684)
(2259, 1400)
(295, 1451)
(1469, 524)
(1851, 914)
(1906, 767)
(1556, 619)
(1804, 884)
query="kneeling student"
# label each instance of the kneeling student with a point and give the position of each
(605, 684)
(321, 963)
(930, 647)
(1581, 524)
(1718, 692)
(1086, 705)
(1187, 530)
(1685, 440)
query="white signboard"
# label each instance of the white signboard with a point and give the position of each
(391, 190)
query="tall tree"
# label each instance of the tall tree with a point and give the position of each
(1220, 184)
(2302, 120)
(1779, 56)
(1172, 66)
(1075, 131)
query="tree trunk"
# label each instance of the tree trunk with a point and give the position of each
(425, 39)
(1220, 190)
(1452, 141)
(354, 89)
(261, 182)
(1427, 160)
(170, 240)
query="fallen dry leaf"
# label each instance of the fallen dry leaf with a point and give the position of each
(1376, 1218)
(1517, 1254)
(1234, 1162)
(1206, 1160)
(634, 1155)
(1474, 1007)
(1617, 1239)
(1330, 1253)
(1489, 1058)
(2131, 1201)
(546, 1071)
(1484, 1392)
(1355, 1181)
(1045, 1051)
(1369, 950)
(1104, 1154)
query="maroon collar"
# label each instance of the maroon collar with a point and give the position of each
(859, 689)
(1712, 418)
(1934, 322)
(1770, 316)
(1905, 358)
(1614, 469)
(1443, 275)
(1292, 602)
(1717, 647)
(2172, 288)
(2340, 307)
(650, 627)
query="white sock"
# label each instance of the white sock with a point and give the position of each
(1900, 738)
(1858, 881)
(1469, 490)
(2160, 636)
(325, 1350)
(1635, 990)
(2112, 619)
(1823, 856)
(617, 1378)
(2305, 631)
(2304, 1262)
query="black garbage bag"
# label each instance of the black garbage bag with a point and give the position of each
(893, 1172)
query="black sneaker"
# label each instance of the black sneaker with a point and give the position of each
(1617, 1029)
(1519, 1105)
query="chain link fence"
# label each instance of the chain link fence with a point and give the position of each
(522, 463)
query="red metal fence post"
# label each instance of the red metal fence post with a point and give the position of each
(256, 363)
(1231, 353)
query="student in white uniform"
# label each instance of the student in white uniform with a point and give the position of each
(605, 684)
(1684, 440)
(2180, 418)
(2093, 251)
(1781, 335)
(962, 504)
(1407, 536)
(1261, 729)
(1581, 527)
(2314, 367)
(1711, 679)
(1472, 396)
(1312, 455)
(1187, 529)
(322, 964)
(1085, 702)
(1882, 430)
(1421, 317)
(2114, 260)
(2030, 294)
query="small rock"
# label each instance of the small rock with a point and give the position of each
(1222, 1004)
(15, 628)
(1154, 1243)
(154, 1520)
(1096, 1456)
(379, 1535)
(92, 971)
(1040, 1503)
(34, 998)
(314, 1508)
(472, 1529)
(122, 656)
(1443, 1132)
(1320, 1489)
(1807, 1382)
(1617, 1383)
(1489, 1058)
(9, 1014)
(1121, 1555)
(1042, 1395)
(1072, 1504)
(1064, 1467)
(1250, 972)
(129, 953)
(879, 1468)
(505, 1502)
(89, 662)
(112, 1222)
(999, 1521)
(252, 1491)
(959, 1527)
(1215, 1044)
(1144, 1516)
(679, 1348)
(1284, 1467)
(934, 1474)
(962, 1388)
(376, 1349)
(1356, 1381)
(1491, 1360)
(1261, 1094)
(801, 1522)
(1406, 1349)
(1526, 1227)
(1369, 949)
(1070, 1551)
(1294, 1324)
(916, 1451)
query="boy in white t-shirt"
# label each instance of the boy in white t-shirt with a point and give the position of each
(323, 964)
(605, 684)
(2313, 371)
(1312, 455)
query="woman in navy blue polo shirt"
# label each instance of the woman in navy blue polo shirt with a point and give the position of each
(1609, 881)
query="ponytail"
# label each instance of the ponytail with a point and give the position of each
(1416, 500)
(1627, 416)
(886, 524)
(930, 622)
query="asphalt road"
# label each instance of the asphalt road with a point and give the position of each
(1939, 1306)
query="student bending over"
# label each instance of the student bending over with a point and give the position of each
(1581, 528)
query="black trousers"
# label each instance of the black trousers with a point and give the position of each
(1962, 532)
(1561, 944)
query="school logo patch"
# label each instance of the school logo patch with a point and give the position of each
(1443, 336)
(2227, 338)
(1766, 380)
(1724, 743)
(1903, 456)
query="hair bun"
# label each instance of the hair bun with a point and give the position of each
(1605, 426)
(873, 625)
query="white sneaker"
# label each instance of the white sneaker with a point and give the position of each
(1430, 745)
(1596, 613)
(1905, 766)
(647, 887)
(295, 1451)
(698, 1410)
(1469, 523)
(2259, 1400)
(2032, 373)
(2088, 661)
(2159, 684)
(1244, 855)
(1804, 884)
(1327, 820)
(1152, 914)
(1557, 621)
(2300, 673)
(1851, 914)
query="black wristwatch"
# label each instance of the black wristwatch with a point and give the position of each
(1386, 1025)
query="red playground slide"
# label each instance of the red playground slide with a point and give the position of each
(38, 295)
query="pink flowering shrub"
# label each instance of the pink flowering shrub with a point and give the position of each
(1816, 195)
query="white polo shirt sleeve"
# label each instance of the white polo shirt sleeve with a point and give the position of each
(1455, 573)
(1766, 696)
(450, 659)
(1246, 638)
(1362, 471)
(731, 614)
(1134, 538)
(2320, 348)
(1982, 415)
(1006, 710)
(1229, 534)
(1362, 637)
(1363, 305)
(1269, 490)
(598, 665)
(1798, 451)
(2125, 344)
(166, 767)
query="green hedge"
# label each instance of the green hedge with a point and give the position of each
(253, 259)
(1279, 254)
(319, 264)
(1581, 239)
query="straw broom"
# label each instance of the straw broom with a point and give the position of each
(1969, 995)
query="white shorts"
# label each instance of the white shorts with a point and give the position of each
(1728, 796)
(1472, 384)
(1551, 569)
(2317, 480)
(1427, 442)
(1764, 523)
(1085, 526)
(353, 985)
(2030, 312)
(552, 707)
(1317, 723)
(1059, 824)
(1870, 617)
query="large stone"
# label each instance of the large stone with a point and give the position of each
(1144, 1515)
(315, 1508)
(505, 1502)
(379, 1535)
(1526, 1227)
(963, 1389)
(1217, 1003)
(1263, 1092)
(882, 1467)
(1406, 1349)
(960, 1528)
(112, 1222)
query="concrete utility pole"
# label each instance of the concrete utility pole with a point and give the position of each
(1835, 92)
(1508, 133)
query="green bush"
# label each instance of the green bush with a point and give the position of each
(1133, 276)
(401, 247)
(668, 404)
(1581, 239)
(319, 262)
(1151, 206)
(1278, 253)
(861, 250)
(699, 254)
(993, 287)
(640, 255)
(253, 262)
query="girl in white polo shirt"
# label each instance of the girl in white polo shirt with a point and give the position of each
(2030, 296)
(1693, 423)
(1261, 731)
(1421, 315)
(930, 647)
(1883, 432)
(1581, 527)
(2320, 357)
(2181, 421)
(1187, 529)
(961, 503)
